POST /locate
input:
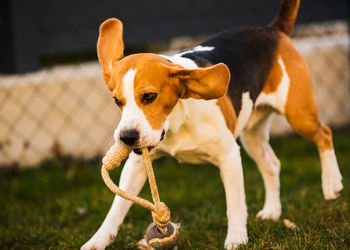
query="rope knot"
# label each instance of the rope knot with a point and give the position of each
(161, 216)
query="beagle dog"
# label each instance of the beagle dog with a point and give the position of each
(194, 105)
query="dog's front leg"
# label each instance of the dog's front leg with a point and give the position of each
(232, 176)
(131, 181)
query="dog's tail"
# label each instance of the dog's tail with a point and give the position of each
(285, 19)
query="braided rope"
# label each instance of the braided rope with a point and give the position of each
(161, 216)
(114, 156)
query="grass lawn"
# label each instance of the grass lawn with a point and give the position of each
(38, 207)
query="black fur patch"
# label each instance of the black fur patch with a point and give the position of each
(248, 52)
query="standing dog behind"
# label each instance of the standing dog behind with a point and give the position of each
(195, 104)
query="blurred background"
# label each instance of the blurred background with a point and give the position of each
(53, 100)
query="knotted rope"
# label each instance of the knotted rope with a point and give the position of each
(114, 156)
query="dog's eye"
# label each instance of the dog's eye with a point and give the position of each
(118, 102)
(149, 97)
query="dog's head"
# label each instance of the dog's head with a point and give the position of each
(146, 87)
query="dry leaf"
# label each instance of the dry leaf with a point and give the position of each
(289, 224)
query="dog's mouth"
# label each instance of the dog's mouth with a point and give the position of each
(139, 152)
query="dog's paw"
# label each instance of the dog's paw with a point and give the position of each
(331, 185)
(99, 241)
(270, 212)
(331, 176)
(234, 239)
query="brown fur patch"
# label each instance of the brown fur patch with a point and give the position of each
(301, 106)
(228, 112)
(110, 46)
(111, 237)
(274, 78)
(286, 16)
(152, 76)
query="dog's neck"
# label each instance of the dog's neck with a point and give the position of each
(176, 118)
(190, 129)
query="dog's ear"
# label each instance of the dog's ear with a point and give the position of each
(202, 83)
(110, 45)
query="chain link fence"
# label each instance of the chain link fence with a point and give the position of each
(69, 110)
(63, 110)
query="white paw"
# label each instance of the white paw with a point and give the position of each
(331, 185)
(234, 239)
(331, 177)
(100, 240)
(270, 212)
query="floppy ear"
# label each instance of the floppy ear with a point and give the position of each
(202, 83)
(110, 45)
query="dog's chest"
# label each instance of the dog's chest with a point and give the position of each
(197, 132)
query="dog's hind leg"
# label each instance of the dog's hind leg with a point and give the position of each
(132, 179)
(255, 140)
(301, 112)
(303, 117)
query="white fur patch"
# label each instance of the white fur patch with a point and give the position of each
(186, 62)
(202, 48)
(331, 177)
(277, 99)
(133, 117)
(197, 132)
(244, 114)
(128, 87)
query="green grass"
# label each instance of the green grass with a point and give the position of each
(38, 207)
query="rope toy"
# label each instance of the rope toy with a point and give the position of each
(161, 233)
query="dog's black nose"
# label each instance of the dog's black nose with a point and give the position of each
(129, 137)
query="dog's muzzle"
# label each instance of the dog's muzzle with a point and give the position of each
(138, 150)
